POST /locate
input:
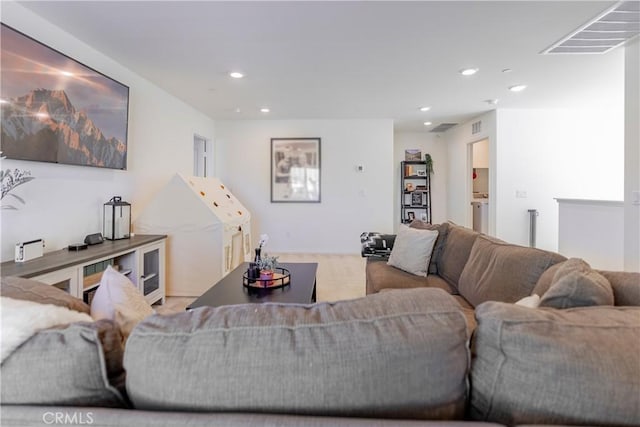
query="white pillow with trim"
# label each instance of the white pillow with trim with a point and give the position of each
(412, 250)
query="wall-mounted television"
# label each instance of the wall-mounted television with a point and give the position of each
(55, 109)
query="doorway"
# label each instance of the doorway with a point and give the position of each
(202, 156)
(478, 173)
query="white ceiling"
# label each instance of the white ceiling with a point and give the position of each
(333, 60)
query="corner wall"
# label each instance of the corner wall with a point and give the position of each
(64, 203)
(352, 202)
(548, 154)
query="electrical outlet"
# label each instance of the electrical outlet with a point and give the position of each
(521, 194)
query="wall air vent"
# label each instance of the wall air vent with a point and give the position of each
(443, 127)
(608, 30)
(476, 127)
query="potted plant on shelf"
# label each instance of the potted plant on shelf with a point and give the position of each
(267, 264)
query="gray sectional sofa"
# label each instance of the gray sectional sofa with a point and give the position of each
(447, 349)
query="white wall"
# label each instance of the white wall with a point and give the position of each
(632, 158)
(64, 203)
(352, 202)
(431, 143)
(574, 154)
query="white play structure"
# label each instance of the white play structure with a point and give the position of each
(208, 229)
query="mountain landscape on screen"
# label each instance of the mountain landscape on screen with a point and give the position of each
(43, 125)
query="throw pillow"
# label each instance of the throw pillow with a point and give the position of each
(412, 250)
(32, 290)
(532, 301)
(442, 230)
(119, 300)
(575, 284)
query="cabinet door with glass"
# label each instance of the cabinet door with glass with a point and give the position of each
(152, 277)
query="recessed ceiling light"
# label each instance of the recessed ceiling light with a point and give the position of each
(236, 75)
(66, 73)
(428, 123)
(468, 71)
(506, 70)
(517, 88)
(264, 110)
(425, 108)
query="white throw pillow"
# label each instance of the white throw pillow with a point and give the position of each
(412, 250)
(118, 299)
(21, 319)
(532, 301)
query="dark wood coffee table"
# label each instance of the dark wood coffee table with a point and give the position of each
(230, 291)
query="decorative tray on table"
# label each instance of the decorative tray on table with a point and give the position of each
(281, 277)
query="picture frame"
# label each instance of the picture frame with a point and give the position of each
(69, 113)
(411, 216)
(416, 198)
(412, 154)
(421, 172)
(295, 170)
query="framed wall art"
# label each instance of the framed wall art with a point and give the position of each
(55, 109)
(295, 170)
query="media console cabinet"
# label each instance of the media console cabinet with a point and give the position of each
(141, 258)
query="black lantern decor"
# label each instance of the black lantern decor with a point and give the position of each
(116, 219)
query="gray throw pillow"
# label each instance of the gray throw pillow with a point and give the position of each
(443, 230)
(575, 284)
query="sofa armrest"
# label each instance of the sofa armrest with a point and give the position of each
(375, 244)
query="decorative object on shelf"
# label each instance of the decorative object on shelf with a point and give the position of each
(10, 180)
(421, 172)
(295, 170)
(116, 219)
(429, 164)
(412, 154)
(409, 186)
(411, 216)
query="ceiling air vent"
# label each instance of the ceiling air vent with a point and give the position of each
(603, 33)
(443, 127)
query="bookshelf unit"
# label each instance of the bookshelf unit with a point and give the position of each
(415, 192)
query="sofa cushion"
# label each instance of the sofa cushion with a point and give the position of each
(575, 284)
(500, 271)
(380, 275)
(398, 354)
(80, 364)
(544, 366)
(443, 230)
(455, 253)
(625, 285)
(118, 299)
(412, 250)
(32, 290)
